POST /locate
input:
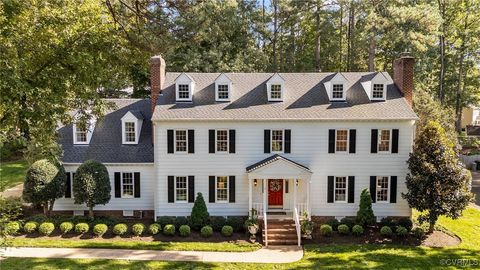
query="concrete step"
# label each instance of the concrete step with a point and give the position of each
(281, 237)
(283, 242)
(281, 230)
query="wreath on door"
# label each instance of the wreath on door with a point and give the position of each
(275, 185)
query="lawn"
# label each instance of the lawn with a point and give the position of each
(316, 256)
(12, 173)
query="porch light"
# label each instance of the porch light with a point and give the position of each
(255, 182)
(296, 182)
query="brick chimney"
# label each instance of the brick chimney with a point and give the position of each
(157, 78)
(403, 69)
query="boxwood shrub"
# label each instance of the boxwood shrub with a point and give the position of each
(154, 228)
(66, 227)
(401, 231)
(30, 227)
(349, 221)
(386, 231)
(184, 230)
(419, 232)
(405, 222)
(82, 228)
(169, 229)
(206, 231)
(12, 228)
(165, 220)
(100, 229)
(227, 230)
(326, 230)
(179, 221)
(236, 222)
(138, 228)
(120, 229)
(388, 221)
(343, 229)
(217, 223)
(357, 230)
(46, 228)
(333, 222)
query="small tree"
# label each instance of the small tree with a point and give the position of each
(44, 183)
(438, 183)
(200, 216)
(91, 185)
(365, 214)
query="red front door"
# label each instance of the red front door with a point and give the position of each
(275, 192)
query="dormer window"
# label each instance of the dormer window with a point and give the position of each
(337, 91)
(378, 91)
(80, 135)
(131, 127)
(335, 87)
(183, 91)
(223, 87)
(130, 135)
(222, 92)
(275, 88)
(276, 91)
(375, 86)
(184, 87)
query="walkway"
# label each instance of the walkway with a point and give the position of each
(277, 254)
(15, 191)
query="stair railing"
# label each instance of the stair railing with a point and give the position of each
(297, 226)
(265, 227)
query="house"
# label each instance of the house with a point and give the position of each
(274, 142)
(470, 122)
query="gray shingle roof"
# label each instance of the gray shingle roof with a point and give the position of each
(106, 143)
(305, 98)
(271, 159)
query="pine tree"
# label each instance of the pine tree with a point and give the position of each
(200, 216)
(365, 214)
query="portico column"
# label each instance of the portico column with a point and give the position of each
(308, 197)
(295, 188)
(250, 204)
(265, 191)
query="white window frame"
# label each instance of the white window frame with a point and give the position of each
(216, 141)
(216, 189)
(125, 141)
(270, 98)
(189, 98)
(377, 189)
(121, 185)
(175, 141)
(383, 92)
(348, 140)
(343, 92)
(217, 91)
(75, 131)
(283, 141)
(335, 189)
(186, 189)
(389, 141)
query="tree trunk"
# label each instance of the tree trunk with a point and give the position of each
(50, 207)
(340, 45)
(317, 42)
(275, 34)
(371, 51)
(431, 228)
(350, 36)
(459, 96)
(45, 209)
(90, 212)
(441, 81)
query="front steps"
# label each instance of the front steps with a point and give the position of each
(281, 232)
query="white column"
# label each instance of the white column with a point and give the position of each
(250, 204)
(295, 188)
(308, 196)
(265, 191)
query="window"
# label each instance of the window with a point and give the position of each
(277, 140)
(181, 189)
(382, 188)
(337, 91)
(127, 185)
(341, 189)
(183, 91)
(276, 91)
(341, 142)
(80, 134)
(222, 92)
(180, 140)
(222, 189)
(384, 140)
(130, 132)
(222, 140)
(377, 91)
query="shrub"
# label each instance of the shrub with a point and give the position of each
(401, 231)
(154, 228)
(387, 221)
(419, 232)
(184, 230)
(109, 221)
(405, 222)
(138, 228)
(217, 223)
(46, 228)
(206, 231)
(236, 222)
(39, 219)
(30, 227)
(164, 220)
(169, 229)
(386, 231)
(66, 227)
(227, 230)
(333, 222)
(343, 229)
(365, 214)
(349, 221)
(120, 229)
(11, 208)
(200, 216)
(100, 229)
(82, 228)
(357, 230)
(12, 228)
(326, 230)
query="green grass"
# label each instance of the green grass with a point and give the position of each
(316, 256)
(12, 173)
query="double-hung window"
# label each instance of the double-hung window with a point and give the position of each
(222, 140)
(184, 91)
(181, 140)
(130, 132)
(340, 189)
(337, 91)
(384, 140)
(221, 189)
(341, 140)
(377, 92)
(222, 92)
(276, 91)
(277, 140)
(181, 189)
(80, 134)
(127, 185)
(383, 186)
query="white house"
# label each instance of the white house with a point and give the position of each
(274, 142)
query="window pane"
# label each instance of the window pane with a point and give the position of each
(181, 188)
(276, 91)
(222, 188)
(382, 189)
(127, 184)
(222, 140)
(384, 142)
(342, 140)
(80, 134)
(183, 91)
(337, 91)
(130, 131)
(181, 140)
(222, 91)
(277, 140)
(378, 90)
(340, 189)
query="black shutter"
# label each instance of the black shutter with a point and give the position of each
(191, 141)
(170, 141)
(191, 188)
(136, 179)
(68, 186)
(231, 141)
(330, 190)
(331, 141)
(393, 189)
(352, 141)
(118, 188)
(211, 141)
(266, 141)
(351, 189)
(286, 186)
(395, 141)
(373, 188)
(211, 189)
(373, 148)
(231, 188)
(288, 137)
(171, 188)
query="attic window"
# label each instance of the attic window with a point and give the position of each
(222, 92)
(337, 91)
(80, 134)
(183, 91)
(276, 92)
(378, 91)
(130, 132)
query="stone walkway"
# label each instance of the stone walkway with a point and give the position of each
(15, 191)
(272, 254)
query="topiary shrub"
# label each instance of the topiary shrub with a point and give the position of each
(419, 232)
(343, 229)
(200, 216)
(169, 229)
(179, 221)
(405, 222)
(120, 229)
(12, 228)
(184, 230)
(154, 228)
(217, 223)
(164, 220)
(401, 231)
(227, 230)
(333, 222)
(206, 231)
(326, 230)
(386, 231)
(138, 228)
(66, 227)
(349, 221)
(100, 229)
(357, 230)
(30, 227)
(365, 214)
(236, 222)
(46, 228)
(388, 221)
(82, 228)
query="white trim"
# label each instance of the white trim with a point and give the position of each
(175, 189)
(384, 94)
(348, 141)
(223, 79)
(389, 141)
(276, 79)
(175, 141)
(228, 189)
(113, 164)
(228, 141)
(343, 92)
(184, 79)
(124, 132)
(335, 189)
(127, 213)
(388, 189)
(88, 135)
(186, 119)
(121, 186)
(283, 141)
